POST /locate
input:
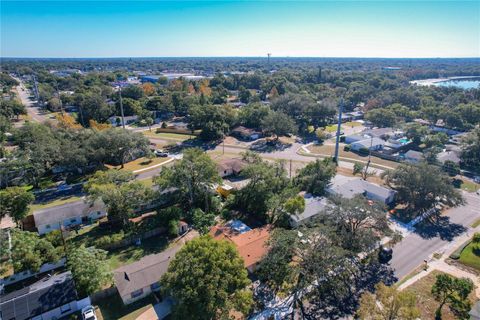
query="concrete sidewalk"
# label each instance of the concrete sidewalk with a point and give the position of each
(441, 265)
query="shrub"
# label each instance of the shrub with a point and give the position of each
(173, 228)
(456, 254)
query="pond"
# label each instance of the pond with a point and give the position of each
(464, 82)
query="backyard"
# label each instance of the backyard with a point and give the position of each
(112, 308)
(89, 236)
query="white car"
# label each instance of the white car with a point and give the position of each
(88, 313)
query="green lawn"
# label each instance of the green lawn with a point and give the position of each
(476, 223)
(57, 202)
(168, 135)
(126, 255)
(470, 256)
(147, 182)
(331, 128)
(469, 186)
(112, 308)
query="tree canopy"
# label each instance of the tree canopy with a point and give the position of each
(207, 279)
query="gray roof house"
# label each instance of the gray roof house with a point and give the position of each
(413, 156)
(348, 187)
(68, 215)
(50, 298)
(137, 280)
(448, 156)
(313, 206)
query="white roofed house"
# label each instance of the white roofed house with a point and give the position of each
(68, 215)
(349, 187)
(372, 144)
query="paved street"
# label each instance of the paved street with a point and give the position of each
(35, 113)
(418, 246)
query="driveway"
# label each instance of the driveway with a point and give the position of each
(433, 237)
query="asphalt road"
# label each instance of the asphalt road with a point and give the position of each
(35, 113)
(418, 246)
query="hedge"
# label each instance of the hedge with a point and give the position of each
(456, 254)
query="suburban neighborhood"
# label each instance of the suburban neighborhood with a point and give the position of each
(257, 187)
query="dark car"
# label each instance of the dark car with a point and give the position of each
(385, 254)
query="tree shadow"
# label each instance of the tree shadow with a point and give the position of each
(439, 226)
(265, 146)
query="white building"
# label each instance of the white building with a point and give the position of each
(372, 144)
(349, 187)
(68, 215)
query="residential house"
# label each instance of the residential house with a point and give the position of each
(51, 298)
(372, 144)
(413, 156)
(68, 215)
(448, 155)
(313, 206)
(230, 167)
(349, 187)
(139, 279)
(250, 243)
(244, 133)
(355, 138)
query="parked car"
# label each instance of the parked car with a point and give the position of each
(385, 254)
(88, 313)
(160, 153)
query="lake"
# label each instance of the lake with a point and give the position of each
(470, 83)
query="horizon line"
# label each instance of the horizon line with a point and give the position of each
(265, 57)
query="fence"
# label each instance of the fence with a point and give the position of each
(102, 294)
(133, 239)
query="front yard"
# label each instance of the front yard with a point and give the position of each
(425, 300)
(140, 163)
(470, 256)
(329, 150)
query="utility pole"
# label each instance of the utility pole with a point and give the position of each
(121, 106)
(58, 97)
(369, 158)
(290, 169)
(337, 142)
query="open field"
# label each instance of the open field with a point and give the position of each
(426, 302)
(140, 163)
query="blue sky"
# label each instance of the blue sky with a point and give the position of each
(241, 28)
